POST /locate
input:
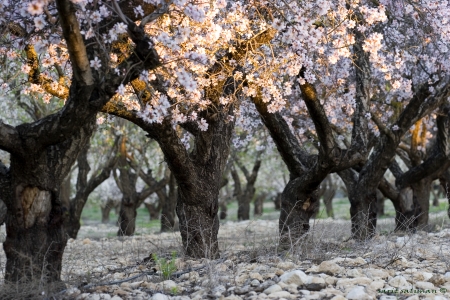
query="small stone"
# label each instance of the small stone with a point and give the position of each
(376, 273)
(305, 292)
(167, 285)
(330, 268)
(423, 285)
(135, 285)
(358, 293)
(437, 280)
(315, 284)
(242, 290)
(86, 241)
(338, 297)
(297, 277)
(218, 290)
(399, 282)
(254, 283)
(93, 297)
(232, 297)
(285, 265)
(353, 273)
(116, 298)
(280, 294)
(349, 282)
(386, 297)
(256, 276)
(376, 285)
(272, 289)
(159, 296)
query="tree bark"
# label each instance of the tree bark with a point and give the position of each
(380, 203)
(36, 238)
(259, 205)
(422, 190)
(168, 206)
(299, 203)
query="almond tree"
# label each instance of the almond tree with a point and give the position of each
(42, 152)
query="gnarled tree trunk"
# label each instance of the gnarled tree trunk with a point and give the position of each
(35, 235)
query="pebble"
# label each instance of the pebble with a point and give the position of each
(358, 293)
(297, 277)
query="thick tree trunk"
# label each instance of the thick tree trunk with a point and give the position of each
(363, 213)
(380, 203)
(105, 214)
(199, 225)
(405, 208)
(35, 238)
(127, 218)
(422, 191)
(259, 205)
(168, 207)
(3, 211)
(243, 212)
(298, 205)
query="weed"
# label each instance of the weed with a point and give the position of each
(167, 268)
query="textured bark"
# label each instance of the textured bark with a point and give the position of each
(380, 203)
(169, 203)
(36, 237)
(363, 206)
(298, 205)
(422, 191)
(3, 211)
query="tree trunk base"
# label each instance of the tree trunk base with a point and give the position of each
(297, 208)
(364, 218)
(199, 226)
(127, 220)
(34, 254)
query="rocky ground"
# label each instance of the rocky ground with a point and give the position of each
(326, 265)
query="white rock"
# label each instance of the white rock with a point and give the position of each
(280, 294)
(297, 277)
(330, 267)
(387, 297)
(285, 265)
(358, 293)
(399, 282)
(93, 297)
(376, 285)
(353, 273)
(166, 285)
(422, 276)
(272, 289)
(423, 285)
(348, 282)
(116, 298)
(376, 273)
(315, 284)
(254, 283)
(256, 276)
(338, 297)
(414, 297)
(159, 296)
